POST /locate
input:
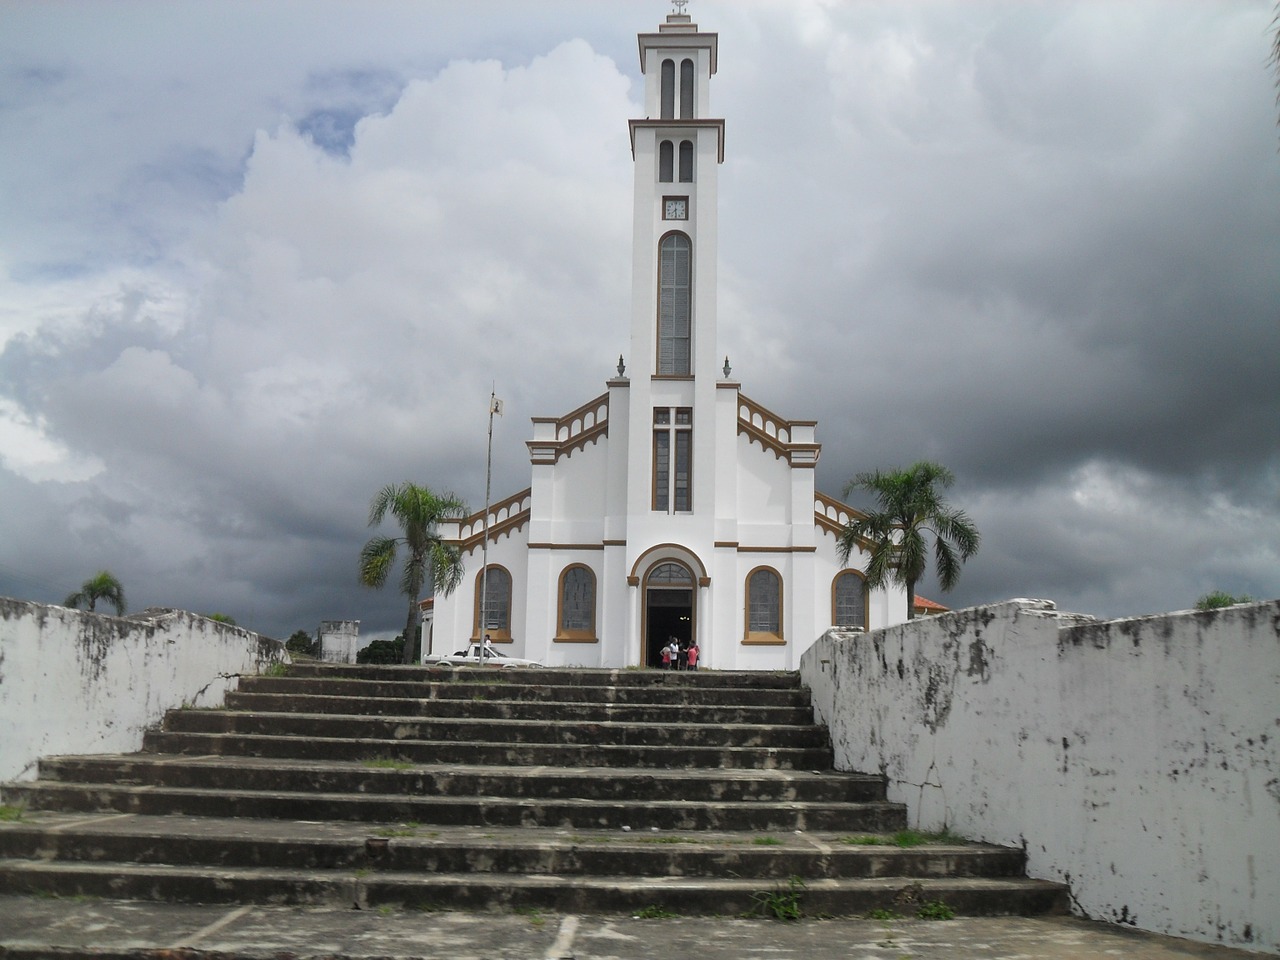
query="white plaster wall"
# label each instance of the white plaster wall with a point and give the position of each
(1135, 760)
(339, 640)
(78, 682)
(579, 488)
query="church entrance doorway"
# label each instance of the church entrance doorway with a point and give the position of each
(668, 609)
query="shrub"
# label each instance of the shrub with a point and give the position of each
(381, 651)
(1219, 599)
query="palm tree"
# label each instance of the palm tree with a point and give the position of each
(418, 510)
(101, 586)
(910, 508)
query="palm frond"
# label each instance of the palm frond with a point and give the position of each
(376, 558)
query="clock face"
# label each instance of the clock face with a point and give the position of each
(675, 209)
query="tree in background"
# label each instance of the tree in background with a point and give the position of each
(101, 586)
(418, 511)
(229, 620)
(1218, 599)
(300, 642)
(911, 511)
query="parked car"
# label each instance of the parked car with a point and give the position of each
(476, 656)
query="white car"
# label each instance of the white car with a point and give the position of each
(471, 657)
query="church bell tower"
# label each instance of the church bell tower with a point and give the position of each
(677, 148)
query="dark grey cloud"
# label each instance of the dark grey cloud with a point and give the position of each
(260, 263)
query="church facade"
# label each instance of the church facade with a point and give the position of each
(672, 505)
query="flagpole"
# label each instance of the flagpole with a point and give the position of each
(484, 548)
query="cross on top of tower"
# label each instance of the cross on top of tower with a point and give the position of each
(679, 6)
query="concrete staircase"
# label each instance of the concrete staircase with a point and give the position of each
(572, 790)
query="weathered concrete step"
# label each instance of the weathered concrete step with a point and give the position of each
(541, 710)
(456, 780)
(476, 684)
(550, 754)
(398, 847)
(974, 896)
(495, 811)
(496, 731)
(741, 680)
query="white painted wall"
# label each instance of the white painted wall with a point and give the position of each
(339, 640)
(1136, 760)
(77, 682)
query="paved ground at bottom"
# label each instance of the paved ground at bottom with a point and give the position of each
(106, 929)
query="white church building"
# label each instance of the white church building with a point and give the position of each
(672, 505)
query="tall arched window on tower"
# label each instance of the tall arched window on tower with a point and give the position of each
(577, 620)
(495, 596)
(764, 606)
(686, 161)
(668, 89)
(666, 162)
(849, 600)
(675, 255)
(686, 89)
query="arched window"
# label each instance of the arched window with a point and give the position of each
(495, 597)
(675, 255)
(668, 89)
(686, 161)
(577, 617)
(686, 90)
(666, 162)
(764, 606)
(849, 600)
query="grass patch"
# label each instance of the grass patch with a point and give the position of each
(406, 830)
(10, 814)
(387, 763)
(909, 838)
(935, 910)
(277, 669)
(780, 904)
(654, 912)
(666, 840)
(767, 842)
(863, 841)
(533, 915)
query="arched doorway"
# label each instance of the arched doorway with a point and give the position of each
(670, 589)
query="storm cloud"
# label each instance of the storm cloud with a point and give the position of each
(261, 259)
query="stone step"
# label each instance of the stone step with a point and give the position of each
(540, 710)
(527, 754)
(573, 790)
(494, 811)
(460, 685)
(494, 731)
(456, 780)
(216, 842)
(485, 891)
(741, 680)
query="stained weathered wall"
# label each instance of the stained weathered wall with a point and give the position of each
(1135, 760)
(77, 682)
(339, 640)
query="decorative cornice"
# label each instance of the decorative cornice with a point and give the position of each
(717, 125)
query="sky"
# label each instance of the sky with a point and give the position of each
(259, 259)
